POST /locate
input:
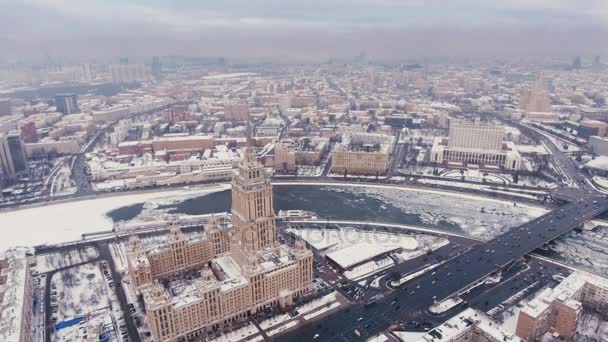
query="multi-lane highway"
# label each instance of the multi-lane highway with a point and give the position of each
(362, 321)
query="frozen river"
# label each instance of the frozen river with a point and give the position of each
(461, 213)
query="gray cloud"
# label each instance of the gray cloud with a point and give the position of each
(301, 28)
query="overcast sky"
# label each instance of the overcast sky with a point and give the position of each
(302, 28)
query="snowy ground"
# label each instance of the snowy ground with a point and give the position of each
(527, 194)
(96, 323)
(445, 305)
(53, 261)
(477, 176)
(407, 336)
(62, 183)
(67, 221)
(80, 290)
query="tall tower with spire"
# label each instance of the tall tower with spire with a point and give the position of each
(252, 206)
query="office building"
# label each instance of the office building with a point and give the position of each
(86, 72)
(589, 128)
(67, 103)
(16, 297)
(556, 310)
(13, 160)
(5, 107)
(475, 143)
(474, 135)
(238, 273)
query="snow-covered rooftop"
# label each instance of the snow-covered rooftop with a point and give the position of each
(565, 292)
(465, 321)
(358, 253)
(14, 273)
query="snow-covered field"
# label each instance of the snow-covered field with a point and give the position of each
(69, 220)
(54, 261)
(80, 290)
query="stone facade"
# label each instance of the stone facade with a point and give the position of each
(232, 273)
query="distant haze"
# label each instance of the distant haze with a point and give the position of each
(302, 29)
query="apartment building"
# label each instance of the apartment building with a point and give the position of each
(16, 296)
(363, 153)
(468, 326)
(557, 310)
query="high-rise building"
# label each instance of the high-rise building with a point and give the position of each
(129, 73)
(156, 68)
(67, 103)
(86, 72)
(28, 132)
(13, 161)
(536, 98)
(242, 269)
(5, 107)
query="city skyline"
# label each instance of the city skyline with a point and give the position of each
(342, 170)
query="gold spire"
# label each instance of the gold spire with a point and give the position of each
(248, 133)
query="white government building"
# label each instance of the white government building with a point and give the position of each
(475, 143)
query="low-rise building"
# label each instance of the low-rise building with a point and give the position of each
(188, 143)
(588, 128)
(598, 145)
(47, 146)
